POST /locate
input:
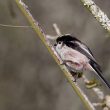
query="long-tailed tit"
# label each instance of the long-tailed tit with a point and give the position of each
(77, 56)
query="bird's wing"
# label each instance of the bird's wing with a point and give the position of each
(82, 48)
(85, 50)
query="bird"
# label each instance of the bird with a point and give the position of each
(76, 56)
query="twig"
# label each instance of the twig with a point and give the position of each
(97, 13)
(57, 30)
(51, 37)
(13, 26)
(105, 99)
(98, 91)
(51, 49)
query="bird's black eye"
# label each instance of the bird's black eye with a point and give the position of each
(59, 42)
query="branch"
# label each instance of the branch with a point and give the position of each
(97, 13)
(35, 25)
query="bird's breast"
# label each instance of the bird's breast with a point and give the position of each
(68, 53)
(73, 57)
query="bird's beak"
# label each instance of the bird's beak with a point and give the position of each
(55, 44)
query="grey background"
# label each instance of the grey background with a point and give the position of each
(29, 77)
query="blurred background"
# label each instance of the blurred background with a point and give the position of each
(29, 77)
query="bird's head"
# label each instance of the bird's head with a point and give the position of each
(65, 39)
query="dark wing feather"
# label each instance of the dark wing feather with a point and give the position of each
(81, 48)
(85, 49)
(96, 67)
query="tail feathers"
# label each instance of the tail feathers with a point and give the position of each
(96, 67)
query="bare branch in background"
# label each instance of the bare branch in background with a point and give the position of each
(97, 13)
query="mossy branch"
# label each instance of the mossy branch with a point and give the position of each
(35, 25)
(100, 16)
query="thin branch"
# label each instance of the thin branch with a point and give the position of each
(35, 25)
(13, 26)
(105, 99)
(57, 30)
(97, 13)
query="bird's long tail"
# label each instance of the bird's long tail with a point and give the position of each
(98, 71)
